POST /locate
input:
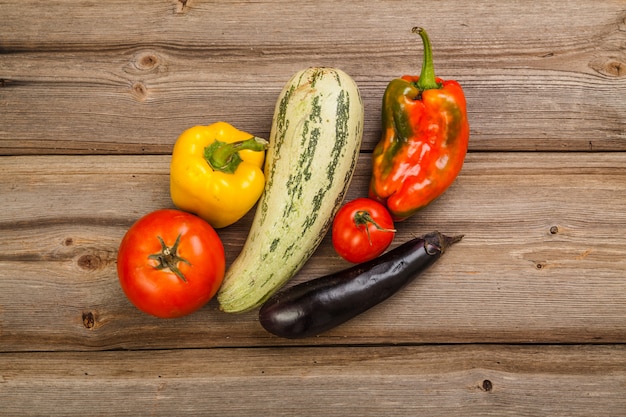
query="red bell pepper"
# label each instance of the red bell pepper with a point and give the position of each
(424, 140)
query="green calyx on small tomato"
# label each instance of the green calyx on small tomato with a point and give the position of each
(170, 281)
(363, 219)
(362, 230)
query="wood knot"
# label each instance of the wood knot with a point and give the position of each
(182, 6)
(139, 91)
(90, 262)
(89, 321)
(610, 66)
(147, 61)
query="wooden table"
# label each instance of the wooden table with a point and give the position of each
(525, 317)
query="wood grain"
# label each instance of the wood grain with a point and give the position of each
(358, 381)
(542, 258)
(525, 317)
(72, 83)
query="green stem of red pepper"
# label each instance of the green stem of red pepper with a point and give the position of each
(427, 79)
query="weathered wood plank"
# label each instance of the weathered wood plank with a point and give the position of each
(542, 259)
(357, 381)
(80, 24)
(544, 77)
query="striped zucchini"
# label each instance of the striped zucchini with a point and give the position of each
(313, 149)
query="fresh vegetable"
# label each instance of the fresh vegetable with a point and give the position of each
(315, 306)
(362, 230)
(216, 172)
(424, 139)
(314, 145)
(170, 263)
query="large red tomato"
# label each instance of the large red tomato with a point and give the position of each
(362, 230)
(170, 263)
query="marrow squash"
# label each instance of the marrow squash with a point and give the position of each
(313, 150)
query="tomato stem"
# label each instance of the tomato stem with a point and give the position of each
(168, 258)
(363, 218)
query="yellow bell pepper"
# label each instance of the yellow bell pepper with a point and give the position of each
(216, 172)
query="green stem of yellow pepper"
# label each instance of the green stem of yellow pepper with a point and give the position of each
(224, 157)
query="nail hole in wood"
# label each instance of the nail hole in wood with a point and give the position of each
(487, 385)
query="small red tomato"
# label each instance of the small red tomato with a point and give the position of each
(362, 230)
(170, 263)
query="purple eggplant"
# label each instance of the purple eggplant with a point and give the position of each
(318, 305)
